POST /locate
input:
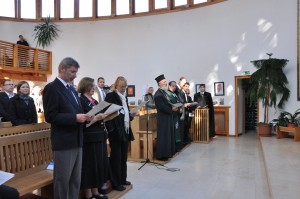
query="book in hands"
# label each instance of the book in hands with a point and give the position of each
(99, 107)
(177, 105)
(112, 112)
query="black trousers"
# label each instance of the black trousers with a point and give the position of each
(118, 161)
(7, 192)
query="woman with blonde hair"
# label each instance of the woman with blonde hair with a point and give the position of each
(119, 134)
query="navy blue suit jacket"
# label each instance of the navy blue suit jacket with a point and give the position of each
(60, 110)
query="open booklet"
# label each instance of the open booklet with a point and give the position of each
(5, 176)
(99, 107)
(137, 108)
(112, 111)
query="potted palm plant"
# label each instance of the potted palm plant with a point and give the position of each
(269, 85)
(46, 32)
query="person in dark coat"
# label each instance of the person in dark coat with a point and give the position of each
(5, 97)
(95, 165)
(204, 99)
(63, 111)
(120, 134)
(165, 132)
(7, 192)
(22, 107)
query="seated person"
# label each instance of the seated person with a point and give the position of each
(22, 108)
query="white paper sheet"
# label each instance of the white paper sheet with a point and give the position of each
(113, 108)
(137, 108)
(5, 176)
(99, 107)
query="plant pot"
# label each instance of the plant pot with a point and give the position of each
(293, 125)
(264, 130)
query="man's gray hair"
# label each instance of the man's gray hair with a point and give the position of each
(68, 62)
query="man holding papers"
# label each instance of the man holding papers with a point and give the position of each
(176, 115)
(119, 133)
(165, 125)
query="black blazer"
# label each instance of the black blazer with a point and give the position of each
(116, 126)
(60, 110)
(21, 113)
(4, 100)
(207, 97)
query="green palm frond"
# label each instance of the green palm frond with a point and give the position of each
(269, 83)
(46, 32)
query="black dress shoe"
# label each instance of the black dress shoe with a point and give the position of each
(119, 188)
(127, 183)
(100, 196)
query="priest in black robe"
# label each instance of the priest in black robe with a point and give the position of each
(204, 99)
(165, 132)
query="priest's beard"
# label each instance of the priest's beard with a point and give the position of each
(165, 88)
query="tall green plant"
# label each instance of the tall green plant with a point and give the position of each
(269, 84)
(46, 32)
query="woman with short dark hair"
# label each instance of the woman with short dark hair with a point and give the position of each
(95, 166)
(22, 108)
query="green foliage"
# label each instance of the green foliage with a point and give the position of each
(269, 84)
(46, 32)
(286, 117)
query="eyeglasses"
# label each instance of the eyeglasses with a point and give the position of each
(8, 84)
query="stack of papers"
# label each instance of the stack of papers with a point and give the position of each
(5, 176)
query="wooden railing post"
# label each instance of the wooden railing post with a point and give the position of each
(35, 58)
(16, 58)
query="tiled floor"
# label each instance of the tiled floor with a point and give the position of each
(226, 168)
(283, 166)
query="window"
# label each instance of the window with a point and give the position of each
(67, 9)
(199, 1)
(180, 2)
(141, 6)
(47, 8)
(159, 4)
(104, 7)
(9, 9)
(85, 8)
(122, 7)
(28, 9)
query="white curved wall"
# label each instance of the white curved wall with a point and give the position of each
(206, 45)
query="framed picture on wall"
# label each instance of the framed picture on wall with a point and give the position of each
(219, 88)
(197, 87)
(130, 90)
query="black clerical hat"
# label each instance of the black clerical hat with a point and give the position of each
(159, 78)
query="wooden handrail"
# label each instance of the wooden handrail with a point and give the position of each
(24, 62)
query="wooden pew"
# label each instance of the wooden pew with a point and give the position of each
(283, 132)
(27, 156)
(24, 129)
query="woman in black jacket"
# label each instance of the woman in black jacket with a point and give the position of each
(95, 165)
(119, 133)
(22, 108)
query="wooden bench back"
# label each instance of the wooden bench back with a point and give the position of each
(24, 129)
(27, 153)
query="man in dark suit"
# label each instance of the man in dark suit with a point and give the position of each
(5, 96)
(63, 110)
(204, 99)
(150, 98)
(100, 92)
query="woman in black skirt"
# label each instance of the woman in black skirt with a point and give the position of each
(94, 159)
